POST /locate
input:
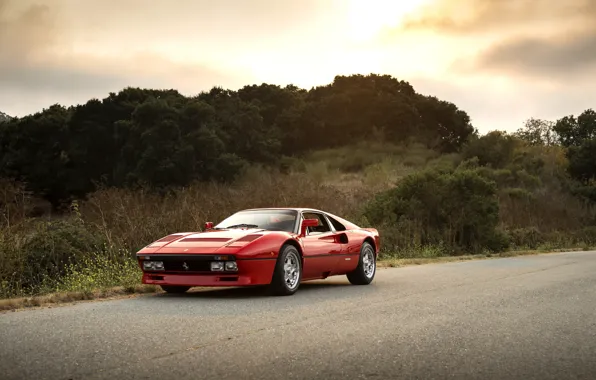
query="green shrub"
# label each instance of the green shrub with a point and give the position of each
(495, 149)
(498, 241)
(61, 255)
(53, 245)
(458, 207)
(587, 235)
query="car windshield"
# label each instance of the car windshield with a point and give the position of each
(272, 220)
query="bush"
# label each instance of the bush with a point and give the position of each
(457, 207)
(529, 237)
(50, 247)
(62, 255)
(494, 149)
(587, 235)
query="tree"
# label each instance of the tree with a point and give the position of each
(582, 161)
(573, 131)
(35, 152)
(578, 135)
(494, 149)
(443, 126)
(537, 132)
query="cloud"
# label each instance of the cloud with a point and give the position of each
(38, 62)
(568, 57)
(544, 40)
(68, 51)
(460, 17)
(24, 32)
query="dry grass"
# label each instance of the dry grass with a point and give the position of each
(71, 297)
(131, 218)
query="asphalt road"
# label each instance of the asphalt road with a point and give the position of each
(518, 318)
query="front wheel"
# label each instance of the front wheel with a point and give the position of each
(174, 288)
(367, 266)
(287, 273)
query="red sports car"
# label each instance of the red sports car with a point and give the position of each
(277, 247)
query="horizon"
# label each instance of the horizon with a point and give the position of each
(502, 62)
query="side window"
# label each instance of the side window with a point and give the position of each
(321, 228)
(337, 225)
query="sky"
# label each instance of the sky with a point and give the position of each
(501, 61)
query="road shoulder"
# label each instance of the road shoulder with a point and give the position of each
(71, 298)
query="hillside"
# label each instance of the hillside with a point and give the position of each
(142, 163)
(162, 139)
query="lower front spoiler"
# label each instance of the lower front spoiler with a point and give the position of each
(201, 280)
(261, 276)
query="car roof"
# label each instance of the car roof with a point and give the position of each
(304, 209)
(299, 209)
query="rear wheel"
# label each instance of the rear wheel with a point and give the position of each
(367, 266)
(287, 273)
(174, 288)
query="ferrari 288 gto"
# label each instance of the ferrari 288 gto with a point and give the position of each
(274, 247)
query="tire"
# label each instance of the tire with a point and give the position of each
(174, 288)
(282, 285)
(364, 273)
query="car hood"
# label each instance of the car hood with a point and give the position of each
(204, 242)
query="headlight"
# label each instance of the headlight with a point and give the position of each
(217, 266)
(221, 266)
(153, 265)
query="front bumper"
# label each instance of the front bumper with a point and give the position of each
(250, 272)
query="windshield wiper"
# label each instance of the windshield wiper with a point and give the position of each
(243, 225)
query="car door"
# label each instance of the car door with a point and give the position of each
(321, 248)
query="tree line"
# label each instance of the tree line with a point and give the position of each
(160, 138)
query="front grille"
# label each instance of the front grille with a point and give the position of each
(186, 263)
(191, 266)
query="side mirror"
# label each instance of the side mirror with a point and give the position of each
(308, 223)
(208, 225)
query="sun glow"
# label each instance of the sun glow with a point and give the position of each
(367, 18)
(351, 43)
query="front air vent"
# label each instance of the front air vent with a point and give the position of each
(168, 238)
(249, 237)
